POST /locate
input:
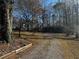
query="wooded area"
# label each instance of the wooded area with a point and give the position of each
(35, 16)
(38, 19)
(62, 16)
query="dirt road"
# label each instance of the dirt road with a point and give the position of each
(53, 49)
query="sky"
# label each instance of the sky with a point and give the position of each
(51, 1)
(47, 2)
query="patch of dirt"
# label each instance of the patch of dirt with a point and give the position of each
(15, 44)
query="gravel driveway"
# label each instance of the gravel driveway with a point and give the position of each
(53, 49)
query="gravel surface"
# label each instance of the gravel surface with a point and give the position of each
(52, 49)
(47, 49)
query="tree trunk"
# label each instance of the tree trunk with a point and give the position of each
(5, 21)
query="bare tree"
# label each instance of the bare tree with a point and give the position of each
(5, 20)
